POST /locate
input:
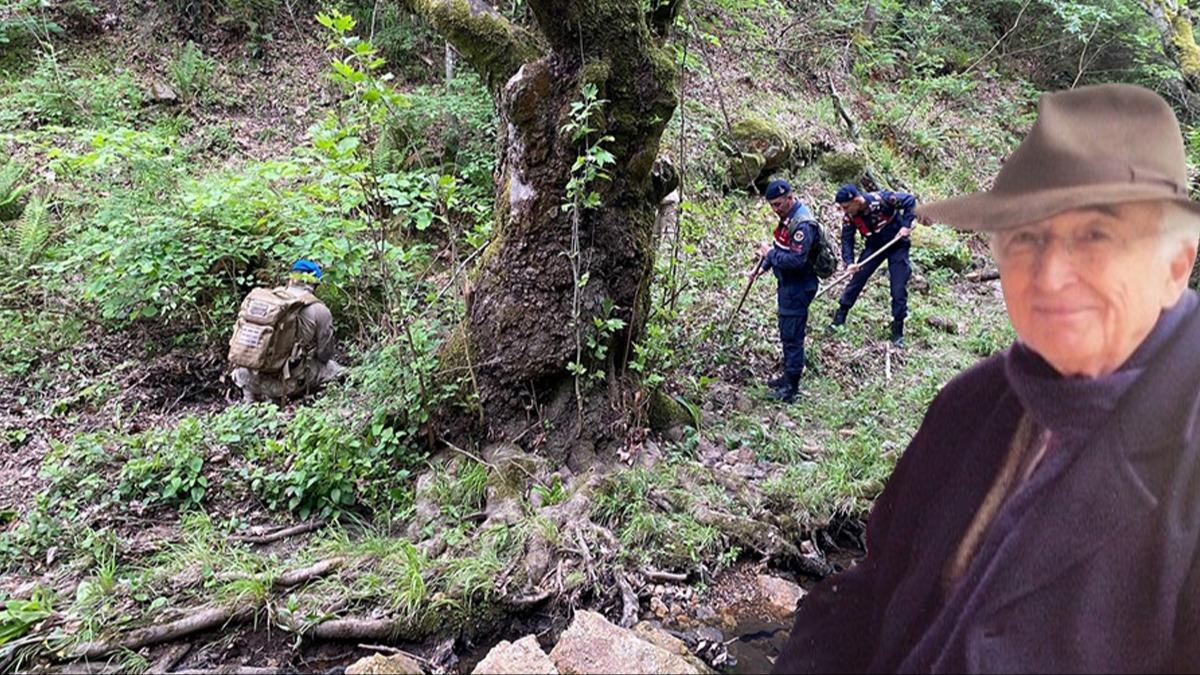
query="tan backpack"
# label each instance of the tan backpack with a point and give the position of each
(264, 338)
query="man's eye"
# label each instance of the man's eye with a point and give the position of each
(1095, 235)
(1023, 239)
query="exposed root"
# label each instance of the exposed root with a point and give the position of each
(357, 630)
(305, 574)
(302, 528)
(201, 620)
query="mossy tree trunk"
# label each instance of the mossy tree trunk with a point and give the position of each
(520, 329)
(1174, 22)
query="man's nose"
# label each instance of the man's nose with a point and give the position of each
(1055, 266)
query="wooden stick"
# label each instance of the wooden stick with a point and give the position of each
(755, 273)
(843, 277)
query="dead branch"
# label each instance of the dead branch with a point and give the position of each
(976, 62)
(664, 577)
(630, 607)
(270, 537)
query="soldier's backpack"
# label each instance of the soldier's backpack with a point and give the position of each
(824, 258)
(264, 338)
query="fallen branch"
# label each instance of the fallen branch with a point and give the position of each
(302, 528)
(630, 607)
(763, 538)
(665, 577)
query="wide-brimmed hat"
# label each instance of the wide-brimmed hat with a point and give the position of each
(1092, 146)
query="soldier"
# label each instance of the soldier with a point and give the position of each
(788, 256)
(878, 217)
(283, 342)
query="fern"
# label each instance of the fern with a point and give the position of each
(12, 191)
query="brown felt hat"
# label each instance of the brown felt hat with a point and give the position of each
(1091, 146)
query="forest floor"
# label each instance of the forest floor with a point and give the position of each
(135, 494)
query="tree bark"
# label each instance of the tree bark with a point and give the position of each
(520, 325)
(1174, 22)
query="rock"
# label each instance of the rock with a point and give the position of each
(667, 642)
(781, 594)
(378, 664)
(659, 607)
(943, 324)
(744, 169)
(705, 613)
(665, 412)
(161, 92)
(843, 167)
(765, 139)
(593, 645)
(523, 656)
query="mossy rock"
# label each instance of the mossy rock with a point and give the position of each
(665, 412)
(843, 167)
(745, 169)
(765, 139)
(935, 246)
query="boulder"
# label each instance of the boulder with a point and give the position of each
(843, 166)
(523, 656)
(378, 664)
(594, 645)
(781, 595)
(665, 641)
(765, 139)
(745, 168)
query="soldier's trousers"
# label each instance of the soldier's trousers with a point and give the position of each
(260, 387)
(792, 329)
(899, 272)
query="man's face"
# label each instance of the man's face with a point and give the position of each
(1085, 287)
(781, 205)
(852, 207)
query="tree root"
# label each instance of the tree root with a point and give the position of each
(270, 537)
(763, 538)
(200, 620)
(357, 629)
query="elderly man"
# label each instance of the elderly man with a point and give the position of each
(1046, 517)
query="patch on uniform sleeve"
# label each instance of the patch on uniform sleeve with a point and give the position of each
(798, 241)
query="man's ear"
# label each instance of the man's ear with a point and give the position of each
(1181, 265)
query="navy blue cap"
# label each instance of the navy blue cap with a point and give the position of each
(778, 188)
(307, 267)
(846, 193)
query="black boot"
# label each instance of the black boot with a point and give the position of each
(787, 392)
(898, 333)
(839, 317)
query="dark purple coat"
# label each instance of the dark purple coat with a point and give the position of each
(1092, 566)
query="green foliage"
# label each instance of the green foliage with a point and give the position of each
(192, 72)
(18, 616)
(56, 94)
(12, 190)
(166, 466)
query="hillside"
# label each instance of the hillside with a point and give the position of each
(165, 157)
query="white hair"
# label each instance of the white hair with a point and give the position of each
(1177, 227)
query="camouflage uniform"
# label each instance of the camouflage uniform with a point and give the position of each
(314, 332)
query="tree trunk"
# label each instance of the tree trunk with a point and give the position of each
(1174, 22)
(521, 329)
